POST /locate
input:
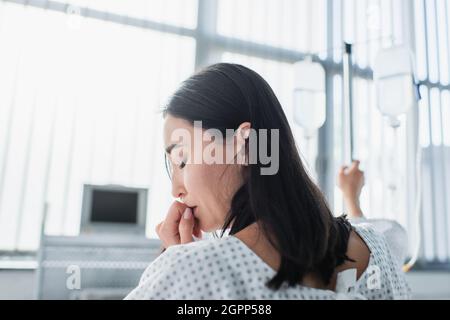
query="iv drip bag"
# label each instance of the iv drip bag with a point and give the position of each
(394, 81)
(309, 95)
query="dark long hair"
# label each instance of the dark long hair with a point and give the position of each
(289, 207)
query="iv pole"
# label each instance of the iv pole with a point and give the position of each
(348, 103)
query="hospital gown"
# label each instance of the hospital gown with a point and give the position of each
(225, 268)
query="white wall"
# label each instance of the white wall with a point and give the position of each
(430, 285)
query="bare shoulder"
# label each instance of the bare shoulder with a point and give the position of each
(359, 252)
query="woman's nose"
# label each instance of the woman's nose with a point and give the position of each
(178, 194)
(178, 190)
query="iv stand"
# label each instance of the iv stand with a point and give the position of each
(348, 102)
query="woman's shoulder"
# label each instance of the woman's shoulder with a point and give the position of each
(213, 248)
(187, 270)
(197, 254)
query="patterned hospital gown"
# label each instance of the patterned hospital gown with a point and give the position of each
(226, 268)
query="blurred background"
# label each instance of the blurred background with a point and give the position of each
(82, 84)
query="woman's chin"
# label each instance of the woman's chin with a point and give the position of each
(212, 228)
(205, 227)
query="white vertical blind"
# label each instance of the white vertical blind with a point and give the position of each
(79, 105)
(290, 24)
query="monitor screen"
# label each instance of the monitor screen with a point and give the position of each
(114, 206)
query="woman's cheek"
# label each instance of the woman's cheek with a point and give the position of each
(196, 175)
(189, 179)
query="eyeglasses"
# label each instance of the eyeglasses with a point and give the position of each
(168, 165)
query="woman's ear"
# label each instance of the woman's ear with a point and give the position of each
(243, 131)
(242, 134)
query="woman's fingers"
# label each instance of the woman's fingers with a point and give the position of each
(342, 170)
(197, 231)
(168, 229)
(354, 167)
(357, 170)
(186, 226)
(352, 170)
(355, 164)
(179, 226)
(173, 218)
(351, 180)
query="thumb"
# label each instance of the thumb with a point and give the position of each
(186, 226)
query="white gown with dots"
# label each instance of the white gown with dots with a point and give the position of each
(225, 268)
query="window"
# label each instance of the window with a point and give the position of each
(388, 163)
(78, 106)
(369, 26)
(182, 13)
(290, 24)
(432, 38)
(156, 46)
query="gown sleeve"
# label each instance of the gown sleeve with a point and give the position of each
(393, 232)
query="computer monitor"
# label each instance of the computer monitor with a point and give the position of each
(113, 208)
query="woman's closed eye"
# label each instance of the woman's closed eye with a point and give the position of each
(175, 158)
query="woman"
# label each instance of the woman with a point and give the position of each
(282, 240)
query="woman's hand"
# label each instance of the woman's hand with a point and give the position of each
(179, 227)
(351, 181)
